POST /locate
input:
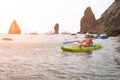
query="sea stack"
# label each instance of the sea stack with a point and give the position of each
(88, 21)
(14, 28)
(56, 28)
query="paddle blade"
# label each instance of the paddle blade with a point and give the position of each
(66, 42)
(104, 37)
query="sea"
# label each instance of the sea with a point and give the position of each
(39, 57)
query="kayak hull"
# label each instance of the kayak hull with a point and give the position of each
(78, 49)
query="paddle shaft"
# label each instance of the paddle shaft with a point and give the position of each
(67, 42)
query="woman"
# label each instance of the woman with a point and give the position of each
(87, 42)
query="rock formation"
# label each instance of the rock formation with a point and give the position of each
(56, 28)
(88, 21)
(117, 0)
(14, 28)
(109, 22)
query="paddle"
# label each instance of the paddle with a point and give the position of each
(104, 37)
(67, 42)
(101, 37)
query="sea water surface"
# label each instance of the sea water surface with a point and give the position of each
(39, 57)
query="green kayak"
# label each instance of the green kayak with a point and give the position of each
(78, 49)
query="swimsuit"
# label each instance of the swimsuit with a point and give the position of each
(88, 41)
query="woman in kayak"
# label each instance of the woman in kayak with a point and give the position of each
(87, 42)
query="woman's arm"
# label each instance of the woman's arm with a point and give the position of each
(81, 41)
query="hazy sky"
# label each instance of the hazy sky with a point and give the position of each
(42, 15)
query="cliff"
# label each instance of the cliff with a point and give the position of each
(109, 22)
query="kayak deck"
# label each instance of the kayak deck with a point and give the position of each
(80, 49)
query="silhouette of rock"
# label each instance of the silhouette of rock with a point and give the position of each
(56, 28)
(88, 21)
(14, 28)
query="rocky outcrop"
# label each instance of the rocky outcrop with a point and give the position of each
(56, 28)
(14, 28)
(88, 21)
(117, 0)
(109, 23)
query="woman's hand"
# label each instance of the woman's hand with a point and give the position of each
(79, 41)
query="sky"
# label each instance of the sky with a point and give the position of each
(42, 15)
